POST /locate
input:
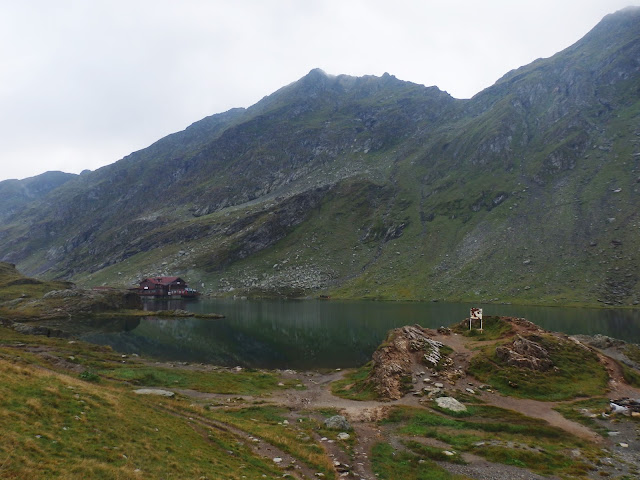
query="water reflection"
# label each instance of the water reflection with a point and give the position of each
(317, 334)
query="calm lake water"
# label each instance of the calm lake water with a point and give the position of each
(308, 334)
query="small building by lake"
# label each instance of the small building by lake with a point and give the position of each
(165, 287)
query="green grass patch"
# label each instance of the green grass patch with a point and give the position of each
(354, 385)
(632, 351)
(418, 422)
(327, 412)
(14, 285)
(267, 422)
(89, 376)
(630, 375)
(493, 328)
(433, 453)
(58, 426)
(577, 372)
(263, 414)
(499, 435)
(582, 410)
(218, 381)
(391, 464)
(542, 462)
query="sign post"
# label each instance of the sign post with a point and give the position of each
(475, 314)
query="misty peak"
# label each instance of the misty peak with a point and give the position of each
(316, 72)
(315, 77)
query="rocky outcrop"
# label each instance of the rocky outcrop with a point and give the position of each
(525, 353)
(394, 361)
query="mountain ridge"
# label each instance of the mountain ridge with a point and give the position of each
(15, 194)
(405, 191)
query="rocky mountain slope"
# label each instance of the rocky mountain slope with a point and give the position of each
(15, 194)
(378, 188)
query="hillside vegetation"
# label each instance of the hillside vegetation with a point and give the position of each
(71, 410)
(378, 188)
(25, 298)
(14, 285)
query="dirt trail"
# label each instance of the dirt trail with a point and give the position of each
(543, 411)
(531, 408)
(617, 386)
(364, 415)
(534, 408)
(259, 446)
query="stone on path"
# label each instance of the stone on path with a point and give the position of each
(154, 391)
(337, 422)
(450, 403)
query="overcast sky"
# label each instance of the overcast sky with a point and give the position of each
(84, 83)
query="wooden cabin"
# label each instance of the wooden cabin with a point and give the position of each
(165, 287)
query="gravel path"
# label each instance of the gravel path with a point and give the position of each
(364, 417)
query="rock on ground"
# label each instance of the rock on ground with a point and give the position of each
(154, 391)
(450, 403)
(525, 353)
(337, 422)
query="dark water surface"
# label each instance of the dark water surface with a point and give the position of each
(309, 334)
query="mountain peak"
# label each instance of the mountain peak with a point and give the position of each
(626, 11)
(315, 78)
(616, 28)
(316, 73)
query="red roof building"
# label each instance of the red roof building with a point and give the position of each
(165, 287)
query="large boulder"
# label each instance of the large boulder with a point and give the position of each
(525, 353)
(450, 403)
(337, 422)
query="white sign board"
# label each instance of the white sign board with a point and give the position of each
(475, 314)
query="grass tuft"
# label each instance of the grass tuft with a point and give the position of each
(354, 385)
(390, 464)
(499, 435)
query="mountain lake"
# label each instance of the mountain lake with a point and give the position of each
(314, 334)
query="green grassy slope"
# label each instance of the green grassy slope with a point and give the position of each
(62, 420)
(14, 285)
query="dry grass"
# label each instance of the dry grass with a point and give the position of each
(295, 439)
(55, 425)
